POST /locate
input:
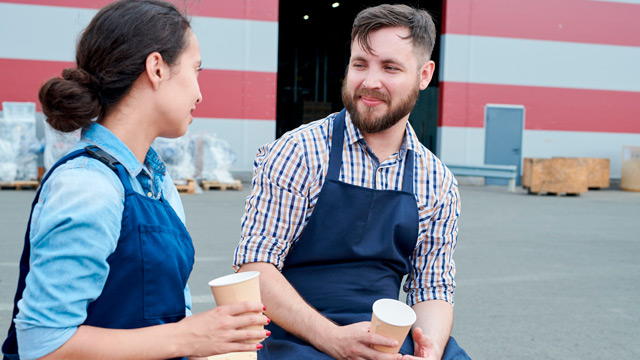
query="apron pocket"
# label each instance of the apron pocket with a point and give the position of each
(167, 259)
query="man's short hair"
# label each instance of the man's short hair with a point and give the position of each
(418, 21)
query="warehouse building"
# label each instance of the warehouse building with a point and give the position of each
(515, 78)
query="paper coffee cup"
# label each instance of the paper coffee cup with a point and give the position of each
(238, 287)
(393, 319)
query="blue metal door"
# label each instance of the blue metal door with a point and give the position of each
(503, 138)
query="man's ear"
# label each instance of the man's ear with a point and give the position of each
(426, 73)
(156, 69)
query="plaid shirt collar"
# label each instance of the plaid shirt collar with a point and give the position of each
(410, 141)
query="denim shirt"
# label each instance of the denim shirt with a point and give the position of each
(75, 226)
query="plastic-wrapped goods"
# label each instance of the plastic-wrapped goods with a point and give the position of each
(57, 144)
(8, 165)
(18, 128)
(178, 155)
(213, 157)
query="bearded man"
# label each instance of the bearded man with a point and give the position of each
(343, 208)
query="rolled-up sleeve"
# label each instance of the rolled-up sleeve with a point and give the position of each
(75, 227)
(433, 268)
(275, 211)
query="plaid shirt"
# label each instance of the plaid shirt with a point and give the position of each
(288, 177)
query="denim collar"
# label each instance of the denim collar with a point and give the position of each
(102, 137)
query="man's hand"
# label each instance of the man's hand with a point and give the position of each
(424, 348)
(355, 342)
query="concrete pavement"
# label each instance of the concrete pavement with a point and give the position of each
(542, 277)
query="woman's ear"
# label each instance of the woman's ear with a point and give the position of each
(156, 69)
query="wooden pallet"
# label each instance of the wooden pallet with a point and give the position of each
(252, 355)
(597, 173)
(187, 186)
(630, 176)
(20, 184)
(555, 176)
(552, 193)
(217, 185)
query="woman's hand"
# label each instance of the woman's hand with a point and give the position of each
(220, 330)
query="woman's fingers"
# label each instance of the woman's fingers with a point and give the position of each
(242, 307)
(248, 334)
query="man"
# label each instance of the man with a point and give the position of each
(341, 209)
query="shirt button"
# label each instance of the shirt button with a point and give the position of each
(149, 194)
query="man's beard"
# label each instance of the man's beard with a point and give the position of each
(365, 121)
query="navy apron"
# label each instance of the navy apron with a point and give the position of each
(354, 250)
(148, 270)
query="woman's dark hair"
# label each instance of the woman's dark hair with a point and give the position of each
(110, 56)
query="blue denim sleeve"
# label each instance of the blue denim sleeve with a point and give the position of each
(75, 227)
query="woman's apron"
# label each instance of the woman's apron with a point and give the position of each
(148, 270)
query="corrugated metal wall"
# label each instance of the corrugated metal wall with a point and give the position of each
(573, 65)
(238, 41)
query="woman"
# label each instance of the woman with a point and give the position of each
(107, 256)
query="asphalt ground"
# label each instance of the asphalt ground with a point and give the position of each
(538, 277)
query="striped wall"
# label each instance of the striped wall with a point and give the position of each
(573, 65)
(238, 42)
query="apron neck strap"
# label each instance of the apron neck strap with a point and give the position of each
(337, 141)
(407, 176)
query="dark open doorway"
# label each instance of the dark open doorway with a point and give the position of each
(314, 52)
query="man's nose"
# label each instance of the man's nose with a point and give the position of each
(372, 79)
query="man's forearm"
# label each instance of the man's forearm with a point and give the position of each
(435, 318)
(287, 308)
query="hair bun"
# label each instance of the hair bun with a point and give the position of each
(70, 102)
(81, 77)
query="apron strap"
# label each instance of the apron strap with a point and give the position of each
(407, 176)
(337, 141)
(10, 345)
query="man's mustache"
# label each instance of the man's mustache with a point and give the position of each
(372, 93)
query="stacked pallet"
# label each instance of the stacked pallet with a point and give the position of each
(20, 184)
(212, 184)
(564, 176)
(187, 186)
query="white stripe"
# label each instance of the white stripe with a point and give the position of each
(244, 137)
(466, 145)
(507, 61)
(637, 2)
(228, 44)
(41, 32)
(34, 32)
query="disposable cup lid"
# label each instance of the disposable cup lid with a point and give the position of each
(234, 278)
(394, 312)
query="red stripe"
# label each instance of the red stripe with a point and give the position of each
(265, 10)
(546, 108)
(21, 79)
(567, 20)
(237, 95)
(226, 94)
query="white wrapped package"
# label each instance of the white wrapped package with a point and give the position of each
(178, 155)
(8, 165)
(18, 127)
(57, 144)
(213, 157)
